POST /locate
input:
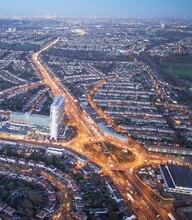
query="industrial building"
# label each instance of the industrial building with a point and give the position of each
(30, 119)
(56, 116)
(177, 178)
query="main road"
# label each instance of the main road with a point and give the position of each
(89, 131)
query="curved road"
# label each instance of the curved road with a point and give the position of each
(88, 131)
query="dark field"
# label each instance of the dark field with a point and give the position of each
(178, 66)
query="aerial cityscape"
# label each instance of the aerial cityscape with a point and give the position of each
(96, 110)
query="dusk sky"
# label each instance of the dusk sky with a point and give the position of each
(112, 8)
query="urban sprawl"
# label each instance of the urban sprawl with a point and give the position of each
(95, 119)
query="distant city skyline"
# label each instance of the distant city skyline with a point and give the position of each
(110, 8)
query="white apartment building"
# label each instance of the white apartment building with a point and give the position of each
(56, 116)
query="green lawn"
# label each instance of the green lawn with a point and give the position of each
(120, 154)
(179, 66)
(20, 47)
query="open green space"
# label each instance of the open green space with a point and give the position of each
(121, 154)
(18, 47)
(178, 66)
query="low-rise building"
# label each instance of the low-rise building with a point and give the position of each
(177, 178)
(9, 210)
(2, 206)
(79, 215)
(41, 214)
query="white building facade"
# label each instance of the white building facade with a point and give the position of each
(55, 151)
(56, 116)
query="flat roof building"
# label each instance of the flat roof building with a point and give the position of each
(177, 178)
(56, 116)
(30, 119)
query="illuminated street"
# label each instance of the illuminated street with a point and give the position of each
(96, 110)
(122, 173)
(88, 130)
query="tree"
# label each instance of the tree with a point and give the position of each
(113, 216)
